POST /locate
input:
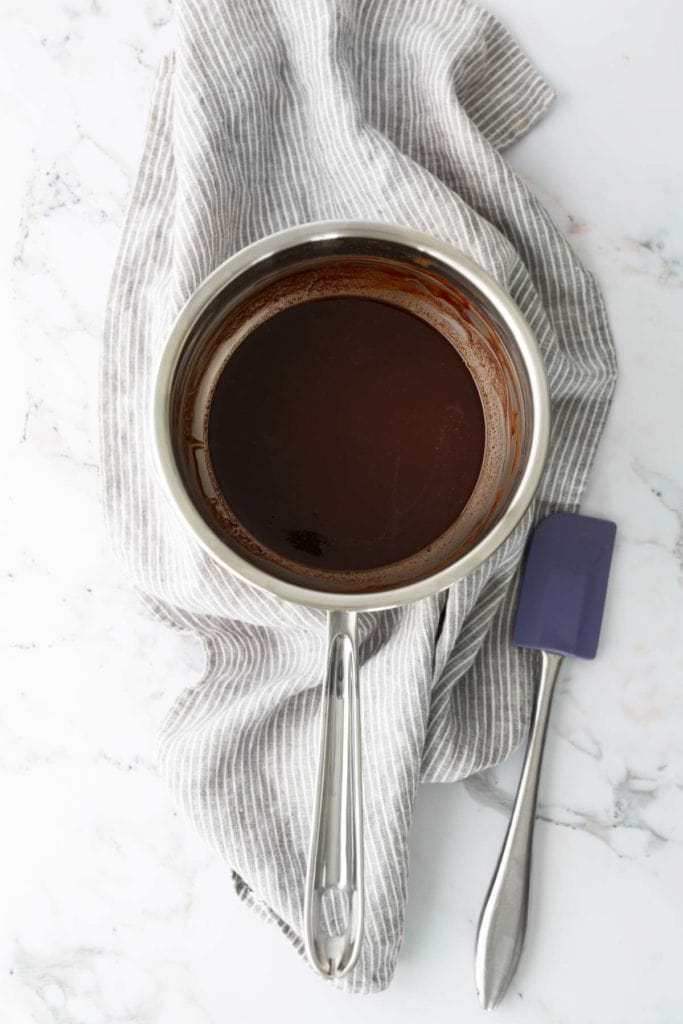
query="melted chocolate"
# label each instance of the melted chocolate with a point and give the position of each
(346, 434)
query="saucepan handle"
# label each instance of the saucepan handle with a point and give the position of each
(333, 904)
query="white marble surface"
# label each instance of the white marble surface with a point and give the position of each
(110, 910)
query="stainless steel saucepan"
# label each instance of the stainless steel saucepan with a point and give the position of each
(493, 338)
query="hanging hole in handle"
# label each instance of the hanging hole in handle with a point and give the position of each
(335, 911)
(338, 931)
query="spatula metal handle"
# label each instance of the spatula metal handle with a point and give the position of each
(502, 925)
(334, 883)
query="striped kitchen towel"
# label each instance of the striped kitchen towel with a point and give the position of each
(265, 116)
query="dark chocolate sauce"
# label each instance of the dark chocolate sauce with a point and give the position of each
(346, 434)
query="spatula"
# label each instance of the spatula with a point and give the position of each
(559, 612)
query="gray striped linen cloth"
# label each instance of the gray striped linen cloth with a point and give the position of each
(271, 114)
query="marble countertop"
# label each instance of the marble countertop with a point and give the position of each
(110, 909)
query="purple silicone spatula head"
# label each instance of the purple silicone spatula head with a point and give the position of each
(562, 595)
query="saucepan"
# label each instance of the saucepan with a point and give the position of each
(491, 335)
